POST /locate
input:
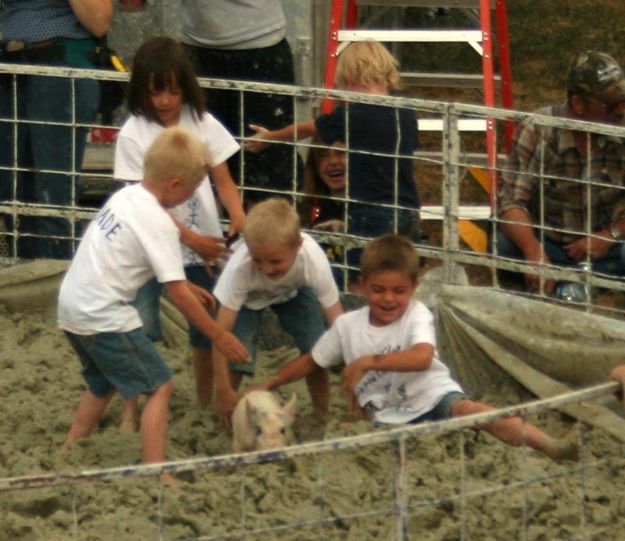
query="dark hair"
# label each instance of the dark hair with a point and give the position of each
(157, 62)
(390, 253)
(312, 184)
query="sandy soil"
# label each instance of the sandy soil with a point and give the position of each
(39, 390)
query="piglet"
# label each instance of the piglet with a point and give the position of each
(260, 422)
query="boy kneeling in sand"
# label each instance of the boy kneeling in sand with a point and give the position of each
(389, 349)
(132, 239)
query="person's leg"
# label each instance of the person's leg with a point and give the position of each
(128, 417)
(88, 414)
(515, 431)
(302, 318)
(57, 148)
(154, 423)
(203, 370)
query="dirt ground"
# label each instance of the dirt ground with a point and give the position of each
(340, 496)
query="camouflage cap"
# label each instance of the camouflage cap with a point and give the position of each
(598, 75)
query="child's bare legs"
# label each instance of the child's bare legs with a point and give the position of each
(128, 418)
(514, 431)
(88, 414)
(618, 374)
(319, 388)
(203, 368)
(154, 423)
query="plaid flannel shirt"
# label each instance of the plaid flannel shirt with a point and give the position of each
(546, 164)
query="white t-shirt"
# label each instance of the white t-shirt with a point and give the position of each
(241, 284)
(395, 397)
(199, 213)
(130, 240)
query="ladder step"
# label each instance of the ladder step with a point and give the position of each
(464, 124)
(416, 36)
(455, 80)
(464, 4)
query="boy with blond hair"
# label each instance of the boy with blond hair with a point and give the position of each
(281, 268)
(380, 141)
(132, 239)
(391, 363)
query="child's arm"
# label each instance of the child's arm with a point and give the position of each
(182, 296)
(210, 249)
(292, 132)
(292, 371)
(332, 312)
(416, 359)
(226, 397)
(229, 197)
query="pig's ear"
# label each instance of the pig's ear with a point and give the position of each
(289, 407)
(249, 410)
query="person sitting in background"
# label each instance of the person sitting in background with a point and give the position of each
(540, 182)
(324, 180)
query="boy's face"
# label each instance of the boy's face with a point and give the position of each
(388, 294)
(273, 259)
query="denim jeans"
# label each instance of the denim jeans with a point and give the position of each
(44, 147)
(611, 263)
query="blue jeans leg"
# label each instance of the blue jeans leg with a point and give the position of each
(53, 147)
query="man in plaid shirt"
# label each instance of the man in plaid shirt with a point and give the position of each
(547, 215)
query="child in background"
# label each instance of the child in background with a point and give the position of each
(380, 140)
(282, 268)
(389, 350)
(164, 91)
(132, 239)
(324, 178)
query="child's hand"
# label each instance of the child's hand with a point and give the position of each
(353, 373)
(353, 406)
(256, 143)
(262, 386)
(203, 296)
(231, 347)
(618, 374)
(333, 226)
(210, 249)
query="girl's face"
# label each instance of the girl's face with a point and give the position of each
(331, 168)
(167, 103)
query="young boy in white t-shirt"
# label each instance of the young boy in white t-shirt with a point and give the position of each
(280, 267)
(132, 239)
(389, 350)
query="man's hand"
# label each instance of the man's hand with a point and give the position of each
(257, 144)
(540, 258)
(231, 347)
(594, 246)
(225, 402)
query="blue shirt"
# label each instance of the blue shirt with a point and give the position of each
(39, 20)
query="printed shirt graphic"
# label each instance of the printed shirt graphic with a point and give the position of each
(394, 397)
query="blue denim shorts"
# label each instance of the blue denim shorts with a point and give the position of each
(301, 317)
(198, 276)
(443, 408)
(126, 361)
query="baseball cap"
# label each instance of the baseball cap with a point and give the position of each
(596, 74)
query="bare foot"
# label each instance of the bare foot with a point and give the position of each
(566, 448)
